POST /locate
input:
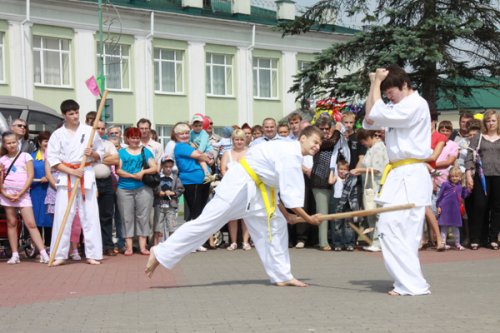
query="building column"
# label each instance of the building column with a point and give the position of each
(195, 73)
(244, 85)
(84, 44)
(21, 59)
(143, 74)
(289, 70)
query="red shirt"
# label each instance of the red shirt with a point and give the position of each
(436, 138)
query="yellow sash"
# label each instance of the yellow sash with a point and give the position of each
(394, 165)
(270, 204)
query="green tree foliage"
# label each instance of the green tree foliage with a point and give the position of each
(437, 41)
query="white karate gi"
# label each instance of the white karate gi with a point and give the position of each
(65, 147)
(278, 164)
(408, 135)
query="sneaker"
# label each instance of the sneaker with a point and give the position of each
(44, 258)
(14, 260)
(300, 245)
(459, 247)
(201, 249)
(247, 247)
(349, 248)
(372, 248)
(232, 247)
(75, 256)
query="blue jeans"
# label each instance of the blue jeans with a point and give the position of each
(341, 232)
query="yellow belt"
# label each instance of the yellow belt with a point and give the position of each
(270, 204)
(397, 164)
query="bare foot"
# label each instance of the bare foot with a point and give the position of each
(93, 262)
(152, 263)
(291, 283)
(58, 262)
(393, 293)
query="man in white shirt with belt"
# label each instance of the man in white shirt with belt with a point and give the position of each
(408, 134)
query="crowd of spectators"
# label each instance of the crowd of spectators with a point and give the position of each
(134, 216)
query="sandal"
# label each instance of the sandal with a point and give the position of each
(494, 245)
(128, 253)
(325, 248)
(232, 247)
(441, 247)
(247, 246)
(474, 246)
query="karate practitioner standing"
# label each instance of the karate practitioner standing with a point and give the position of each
(65, 151)
(408, 134)
(278, 164)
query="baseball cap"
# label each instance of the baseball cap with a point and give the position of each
(197, 117)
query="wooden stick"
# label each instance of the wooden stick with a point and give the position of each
(359, 213)
(360, 233)
(53, 251)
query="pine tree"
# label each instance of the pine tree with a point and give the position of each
(437, 41)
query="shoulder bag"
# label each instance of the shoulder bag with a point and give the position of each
(151, 180)
(369, 190)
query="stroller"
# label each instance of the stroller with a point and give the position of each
(25, 243)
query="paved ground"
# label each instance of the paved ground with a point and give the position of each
(222, 291)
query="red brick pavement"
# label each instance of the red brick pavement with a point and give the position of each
(32, 282)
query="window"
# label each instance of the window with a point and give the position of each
(168, 71)
(265, 78)
(2, 65)
(302, 65)
(116, 65)
(163, 132)
(219, 70)
(52, 61)
(41, 121)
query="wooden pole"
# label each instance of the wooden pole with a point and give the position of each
(360, 213)
(71, 199)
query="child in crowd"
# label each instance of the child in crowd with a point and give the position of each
(166, 202)
(283, 130)
(199, 139)
(225, 143)
(257, 132)
(341, 233)
(15, 181)
(448, 206)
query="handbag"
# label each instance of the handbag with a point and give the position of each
(151, 180)
(369, 191)
(462, 207)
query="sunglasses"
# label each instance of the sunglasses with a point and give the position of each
(324, 128)
(21, 126)
(377, 135)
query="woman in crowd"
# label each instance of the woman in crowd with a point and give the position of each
(135, 200)
(39, 188)
(319, 176)
(484, 182)
(239, 148)
(376, 159)
(16, 179)
(190, 172)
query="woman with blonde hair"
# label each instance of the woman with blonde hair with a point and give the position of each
(483, 180)
(229, 158)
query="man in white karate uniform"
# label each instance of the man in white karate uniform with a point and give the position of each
(407, 122)
(278, 165)
(65, 151)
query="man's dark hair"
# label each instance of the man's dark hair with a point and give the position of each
(142, 121)
(465, 114)
(69, 105)
(397, 77)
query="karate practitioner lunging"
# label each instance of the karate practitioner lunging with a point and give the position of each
(65, 151)
(406, 120)
(249, 190)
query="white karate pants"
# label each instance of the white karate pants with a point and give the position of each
(89, 219)
(274, 255)
(400, 233)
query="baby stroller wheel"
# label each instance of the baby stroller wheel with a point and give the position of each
(28, 247)
(217, 238)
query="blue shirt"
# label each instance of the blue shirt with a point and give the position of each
(132, 164)
(190, 171)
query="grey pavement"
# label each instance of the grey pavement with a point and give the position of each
(222, 291)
